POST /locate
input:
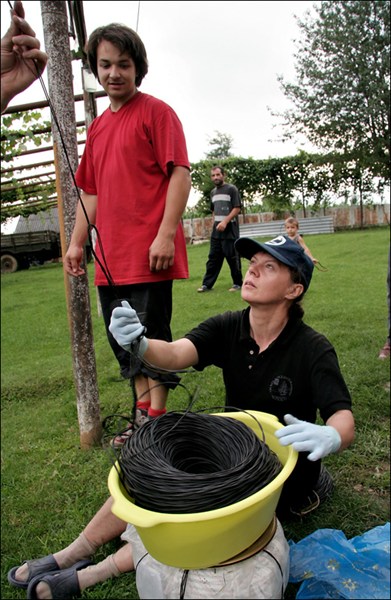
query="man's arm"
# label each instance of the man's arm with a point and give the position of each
(235, 201)
(74, 255)
(162, 249)
(221, 226)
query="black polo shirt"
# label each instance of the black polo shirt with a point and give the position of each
(297, 374)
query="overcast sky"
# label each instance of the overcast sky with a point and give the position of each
(215, 63)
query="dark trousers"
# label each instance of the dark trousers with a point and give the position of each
(299, 485)
(153, 304)
(221, 249)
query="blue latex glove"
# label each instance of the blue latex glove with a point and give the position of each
(319, 440)
(127, 330)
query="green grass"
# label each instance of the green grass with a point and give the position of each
(51, 488)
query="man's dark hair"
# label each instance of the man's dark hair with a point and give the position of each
(218, 167)
(126, 40)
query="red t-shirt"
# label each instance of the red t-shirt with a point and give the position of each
(127, 163)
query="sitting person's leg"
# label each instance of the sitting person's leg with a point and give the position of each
(298, 493)
(102, 528)
(70, 582)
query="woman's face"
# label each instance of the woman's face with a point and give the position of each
(268, 281)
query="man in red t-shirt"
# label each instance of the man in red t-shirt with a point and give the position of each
(134, 178)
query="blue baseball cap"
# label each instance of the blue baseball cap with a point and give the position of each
(284, 250)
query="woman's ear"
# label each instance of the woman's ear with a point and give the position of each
(296, 290)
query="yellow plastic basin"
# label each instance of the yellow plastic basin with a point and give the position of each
(204, 539)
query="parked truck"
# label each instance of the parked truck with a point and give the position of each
(20, 250)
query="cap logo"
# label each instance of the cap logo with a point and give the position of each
(278, 241)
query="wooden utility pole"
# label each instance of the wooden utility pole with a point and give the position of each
(60, 78)
(90, 108)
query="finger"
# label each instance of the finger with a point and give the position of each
(27, 42)
(152, 263)
(125, 313)
(283, 441)
(74, 266)
(125, 304)
(40, 60)
(75, 272)
(291, 438)
(135, 333)
(315, 455)
(22, 27)
(19, 8)
(71, 266)
(159, 263)
(290, 430)
(290, 419)
(306, 446)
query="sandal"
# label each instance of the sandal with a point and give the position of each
(121, 438)
(63, 584)
(37, 566)
(141, 418)
(312, 504)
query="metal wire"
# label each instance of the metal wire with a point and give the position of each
(189, 462)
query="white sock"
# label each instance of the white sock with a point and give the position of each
(79, 549)
(93, 574)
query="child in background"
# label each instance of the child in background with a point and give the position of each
(292, 231)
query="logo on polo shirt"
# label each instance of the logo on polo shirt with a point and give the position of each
(281, 388)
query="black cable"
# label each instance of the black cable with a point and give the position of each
(110, 432)
(280, 569)
(90, 226)
(160, 370)
(184, 578)
(189, 462)
(104, 267)
(227, 408)
(139, 561)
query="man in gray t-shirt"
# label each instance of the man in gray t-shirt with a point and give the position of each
(225, 205)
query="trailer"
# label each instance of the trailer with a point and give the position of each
(20, 250)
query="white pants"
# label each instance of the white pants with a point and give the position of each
(263, 575)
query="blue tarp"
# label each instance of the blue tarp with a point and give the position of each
(331, 566)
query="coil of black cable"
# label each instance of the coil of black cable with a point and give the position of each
(190, 462)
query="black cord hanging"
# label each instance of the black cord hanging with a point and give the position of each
(90, 227)
(104, 267)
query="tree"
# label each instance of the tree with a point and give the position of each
(244, 173)
(282, 185)
(342, 95)
(277, 183)
(223, 143)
